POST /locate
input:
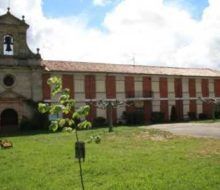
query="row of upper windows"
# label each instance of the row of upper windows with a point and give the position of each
(8, 45)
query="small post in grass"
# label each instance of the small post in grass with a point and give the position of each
(80, 154)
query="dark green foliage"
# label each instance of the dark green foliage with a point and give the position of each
(25, 124)
(134, 118)
(157, 117)
(203, 116)
(217, 114)
(192, 115)
(173, 115)
(217, 107)
(38, 121)
(99, 122)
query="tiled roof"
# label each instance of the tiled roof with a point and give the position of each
(65, 66)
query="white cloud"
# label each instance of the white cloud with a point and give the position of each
(101, 2)
(152, 32)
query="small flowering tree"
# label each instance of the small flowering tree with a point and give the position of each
(65, 105)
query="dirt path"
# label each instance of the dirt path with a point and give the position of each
(211, 130)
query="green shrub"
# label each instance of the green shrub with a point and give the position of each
(157, 117)
(37, 121)
(203, 116)
(173, 115)
(25, 124)
(217, 114)
(134, 118)
(99, 122)
(192, 115)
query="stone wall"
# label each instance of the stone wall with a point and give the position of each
(27, 86)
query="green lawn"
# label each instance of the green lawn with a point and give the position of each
(130, 158)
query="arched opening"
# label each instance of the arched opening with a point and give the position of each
(8, 45)
(9, 121)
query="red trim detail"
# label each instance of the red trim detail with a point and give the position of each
(45, 87)
(192, 87)
(192, 93)
(205, 87)
(90, 87)
(90, 93)
(206, 108)
(67, 82)
(110, 84)
(163, 87)
(179, 94)
(129, 87)
(217, 87)
(192, 106)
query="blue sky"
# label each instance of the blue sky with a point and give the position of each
(84, 8)
(96, 14)
(195, 7)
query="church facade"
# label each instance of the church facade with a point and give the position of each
(24, 75)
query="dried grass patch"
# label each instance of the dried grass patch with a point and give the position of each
(211, 147)
(155, 135)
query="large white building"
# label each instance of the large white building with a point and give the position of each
(24, 75)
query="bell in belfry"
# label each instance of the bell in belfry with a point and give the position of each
(8, 42)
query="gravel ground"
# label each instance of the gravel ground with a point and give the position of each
(211, 130)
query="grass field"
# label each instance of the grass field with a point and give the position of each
(130, 158)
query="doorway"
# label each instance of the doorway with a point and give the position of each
(9, 121)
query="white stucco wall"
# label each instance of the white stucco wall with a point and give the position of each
(100, 94)
(211, 88)
(185, 86)
(120, 94)
(138, 86)
(156, 93)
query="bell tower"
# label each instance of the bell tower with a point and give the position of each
(20, 73)
(13, 34)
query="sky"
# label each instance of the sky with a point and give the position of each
(175, 33)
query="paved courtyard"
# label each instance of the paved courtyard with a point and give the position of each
(211, 130)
